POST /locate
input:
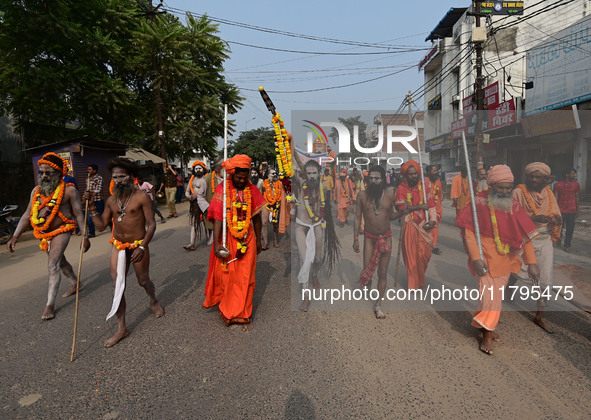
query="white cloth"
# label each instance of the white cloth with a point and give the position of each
(304, 273)
(119, 283)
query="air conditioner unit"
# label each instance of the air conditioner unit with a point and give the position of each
(479, 34)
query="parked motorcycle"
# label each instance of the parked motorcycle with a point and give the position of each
(7, 222)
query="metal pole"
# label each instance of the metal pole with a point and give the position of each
(472, 198)
(422, 171)
(225, 174)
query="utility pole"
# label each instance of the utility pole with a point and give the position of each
(478, 137)
(150, 13)
(410, 101)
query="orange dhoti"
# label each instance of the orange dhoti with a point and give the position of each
(416, 251)
(232, 289)
(489, 308)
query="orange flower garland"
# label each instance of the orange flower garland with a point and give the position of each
(554, 229)
(501, 249)
(213, 181)
(125, 245)
(272, 196)
(239, 228)
(41, 224)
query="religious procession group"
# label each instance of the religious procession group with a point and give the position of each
(516, 227)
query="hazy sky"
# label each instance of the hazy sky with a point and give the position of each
(290, 78)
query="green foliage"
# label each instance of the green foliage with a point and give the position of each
(101, 65)
(258, 144)
(350, 123)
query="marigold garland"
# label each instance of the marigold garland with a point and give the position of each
(239, 228)
(282, 147)
(409, 200)
(313, 216)
(40, 224)
(501, 249)
(272, 195)
(44, 161)
(213, 181)
(125, 245)
(435, 191)
(555, 230)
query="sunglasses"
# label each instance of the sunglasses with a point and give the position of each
(48, 173)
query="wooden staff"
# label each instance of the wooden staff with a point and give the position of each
(80, 270)
(402, 226)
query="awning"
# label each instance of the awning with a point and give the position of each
(137, 154)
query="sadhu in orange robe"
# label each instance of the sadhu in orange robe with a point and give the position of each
(515, 229)
(437, 193)
(416, 241)
(233, 289)
(345, 196)
(460, 190)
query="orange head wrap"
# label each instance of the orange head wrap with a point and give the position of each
(55, 161)
(499, 173)
(198, 162)
(238, 161)
(343, 172)
(365, 173)
(538, 166)
(408, 164)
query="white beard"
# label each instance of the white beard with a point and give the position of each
(47, 188)
(504, 203)
(482, 185)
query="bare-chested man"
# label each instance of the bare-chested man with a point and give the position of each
(53, 208)
(130, 212)
(377, 208)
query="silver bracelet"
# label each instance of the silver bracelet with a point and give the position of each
(142, 248)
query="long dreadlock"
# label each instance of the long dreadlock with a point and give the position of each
(332, 245)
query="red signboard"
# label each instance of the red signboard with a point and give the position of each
(491, 96)
(457, 128)
(503, 115)
(468, 106)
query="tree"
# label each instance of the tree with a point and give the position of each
(258, 144)
(350, 123)
(98, 63)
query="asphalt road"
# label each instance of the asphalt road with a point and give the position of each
(321, 364)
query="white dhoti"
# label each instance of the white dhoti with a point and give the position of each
(304, 274)
(119, 282)
(545, 259)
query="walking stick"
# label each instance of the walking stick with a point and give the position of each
(402, 226)
(225, 251)
(422, 175)
(79, 271)
(472, 199)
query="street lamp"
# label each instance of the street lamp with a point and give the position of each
(247, 121)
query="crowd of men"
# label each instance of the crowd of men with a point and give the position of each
(518, 227)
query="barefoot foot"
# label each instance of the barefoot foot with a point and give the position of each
(276, 244)
(486, 345)
(157, 309)
(378, 311)
(305, 305)
(72, 290)
(496, 337)
(48, 313)
(116, 338)
(540, 323)
(247, 327)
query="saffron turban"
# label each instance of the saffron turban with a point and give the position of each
(365, 173)
(344, 172)
(236, 162)
(538, 166)
(198, 162)
(55, 161)
(499, 173)
(408, 164)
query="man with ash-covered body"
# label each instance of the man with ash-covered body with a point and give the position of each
(55, 209)
(198, 204)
